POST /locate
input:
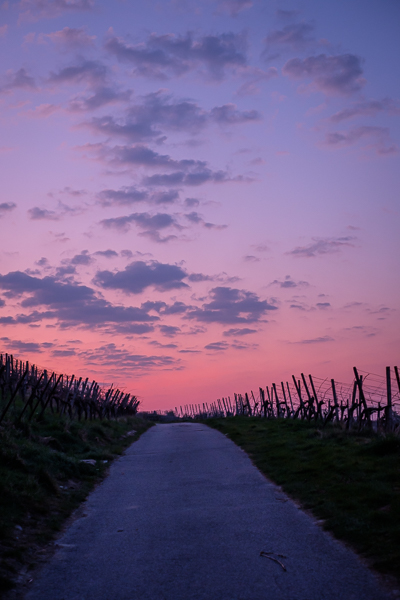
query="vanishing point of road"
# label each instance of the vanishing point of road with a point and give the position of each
(184, 515)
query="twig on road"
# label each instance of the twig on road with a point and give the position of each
(268, 555)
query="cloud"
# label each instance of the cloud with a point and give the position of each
(71, 192)
(196, 277)
(251, 258)
(130, 328)
(323, 305)
(42, 111)
(42, 214)
(299, 307)
(369, 108)
(70, 37)
(103, 95)
(92, 72)
(239, 332)
(221, 278)
(143, 155)
(122, 197)
(169, 330)
(159, 111)
(240, 345)
(295, 36)
(69, 303)
(124, 360)
(20, 346)
(191, 202)
(165, 55)
(177, 308)
(83, 258)
(96, 77)
(233, 7)
(228, 114)
(33, 10)
(196, 219)
(128, 195)
(138, 276)
(261, 247)
(217, 346)
(3, 31)
(159, 345)
(338, 74)
(255, 76)
(286, 15)
(317, 340)
(63, 353)
(198, 176)
(288, 282)
(43, 262)
(377, 138)
(230, 305)
(320, 247)
(6, 207)
(151, 224)
(19, 80)
(190, 172)
(106, 253)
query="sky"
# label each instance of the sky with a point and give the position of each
(200, 197)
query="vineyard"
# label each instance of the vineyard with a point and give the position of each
(27, 391)
(370, 402)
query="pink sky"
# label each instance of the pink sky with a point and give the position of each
(200, 197)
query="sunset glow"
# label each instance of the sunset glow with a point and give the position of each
(199, 197)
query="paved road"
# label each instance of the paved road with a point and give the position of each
(184, 515)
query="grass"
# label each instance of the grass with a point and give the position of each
(43, 480)
(349, 481)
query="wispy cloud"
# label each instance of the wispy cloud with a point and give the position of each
(323, 246)
(150, 224)
(42, 214)
(19, 79)
(129, 195)
(159, 112)
(69, 303)
(229, 305)
(124, 360)
(376, 138)
(239, 332)
(317, 340)
(289, 283)
(164, 55)
(89, 71)
(295, 36)
(69, 37)
(369, 108)
(217, 346)
(233, 7)
(138, 276)
(33, 10)
(336, 74)
(6, 207)
(23, 347)
(197, 219)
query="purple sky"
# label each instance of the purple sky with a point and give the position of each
(200, 197)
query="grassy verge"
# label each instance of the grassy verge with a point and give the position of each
(351, 482)
(43, 479)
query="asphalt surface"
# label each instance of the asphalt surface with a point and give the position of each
(184, 515)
